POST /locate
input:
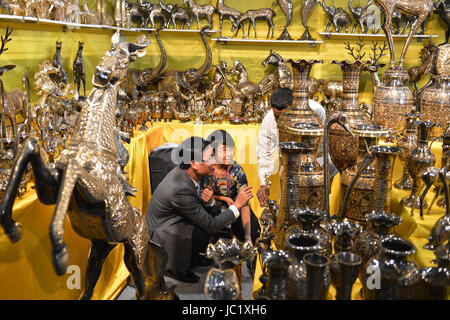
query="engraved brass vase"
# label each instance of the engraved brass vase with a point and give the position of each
(299, 112)
(407, 143)
(362, 195)
(392, 99)
(344, 147)
(418, 160)
(435, 103)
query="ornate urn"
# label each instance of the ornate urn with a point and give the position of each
(362, 195)
(397, 277)
(435, 103)
(290, 121)
(407, 142)
(417, 161)
(344, 147)
(392, 99)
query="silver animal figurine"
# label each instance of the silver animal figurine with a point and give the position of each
(226, 12)
(364, 17)
(153, 12)
(176, 13)
(79, 73)
(253, 15)
(337, 16)
(87, 183)
(198, 11)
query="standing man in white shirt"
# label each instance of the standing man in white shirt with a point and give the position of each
(268, 140)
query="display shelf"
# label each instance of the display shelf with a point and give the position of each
(73, 26)
(380, 35)
(312, 43)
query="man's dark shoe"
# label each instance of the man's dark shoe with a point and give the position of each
(203, 261)
(185, 276)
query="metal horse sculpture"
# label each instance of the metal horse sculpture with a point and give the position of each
(87, 183)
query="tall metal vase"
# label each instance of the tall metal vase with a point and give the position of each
(344, 147)
(299, 112)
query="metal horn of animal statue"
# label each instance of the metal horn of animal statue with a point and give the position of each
(364, 17)
(87, 184)
(198, 11)
(287, 8)
(307, 7)
(420, 9)
(337, 16)
(252, 15)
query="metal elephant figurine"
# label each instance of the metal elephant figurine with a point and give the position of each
(88, 184)
(337, 16)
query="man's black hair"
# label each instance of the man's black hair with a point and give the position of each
(189, 150)
(221, 137)
(281, 98)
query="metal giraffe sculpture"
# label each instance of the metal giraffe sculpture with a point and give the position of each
(87, 183)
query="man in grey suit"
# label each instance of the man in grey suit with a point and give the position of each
(179, 217)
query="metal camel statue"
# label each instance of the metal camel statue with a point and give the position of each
(87, 184)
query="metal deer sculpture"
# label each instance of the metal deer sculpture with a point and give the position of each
(87, 183)
(226, 12)
(198, 11)
(420, 9)
(252, 15)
